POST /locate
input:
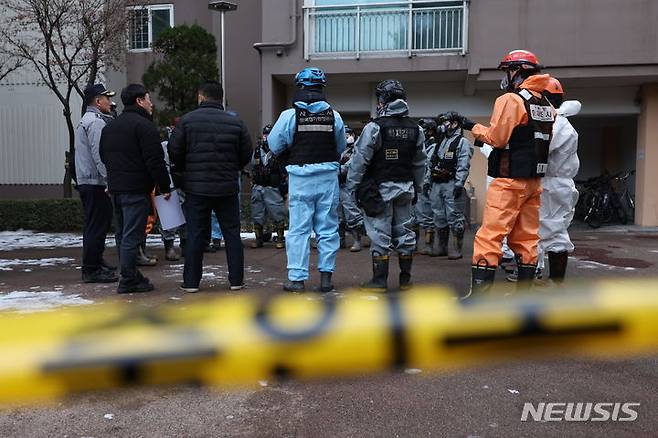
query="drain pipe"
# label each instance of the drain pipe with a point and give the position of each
(280, 45)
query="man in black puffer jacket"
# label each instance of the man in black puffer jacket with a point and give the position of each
(209, 147)
(131, 151)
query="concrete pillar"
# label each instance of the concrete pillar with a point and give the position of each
(646, 195)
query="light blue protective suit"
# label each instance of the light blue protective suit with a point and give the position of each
(216, 232)
(312, 196)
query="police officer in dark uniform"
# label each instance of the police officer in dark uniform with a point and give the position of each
(386, 172)
(268, 191)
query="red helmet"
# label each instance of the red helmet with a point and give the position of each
(554, 86)
(521, 58)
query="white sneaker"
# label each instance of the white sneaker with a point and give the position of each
(189, 290)
(238, 287)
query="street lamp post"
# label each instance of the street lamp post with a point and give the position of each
(223, 7)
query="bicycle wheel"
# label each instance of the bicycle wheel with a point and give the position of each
(592, 218)
(618, 208)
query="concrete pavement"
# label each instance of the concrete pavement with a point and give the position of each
(480, 402)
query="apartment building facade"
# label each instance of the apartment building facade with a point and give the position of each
(446, 53)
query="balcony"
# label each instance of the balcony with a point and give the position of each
(335, 30)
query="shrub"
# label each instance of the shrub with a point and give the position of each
(48, 215)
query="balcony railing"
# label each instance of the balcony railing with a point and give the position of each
(403, 28)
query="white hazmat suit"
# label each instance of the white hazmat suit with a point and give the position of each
(559, 195)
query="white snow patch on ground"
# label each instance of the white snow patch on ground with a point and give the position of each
(21, 239)
(25, 239)
(7, 264)
(27, 302)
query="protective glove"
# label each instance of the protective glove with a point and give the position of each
(426, 189)
(467, 123)
(457, 192)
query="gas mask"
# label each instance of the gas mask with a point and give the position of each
(350, 140)
(446, 129)
(511, 80)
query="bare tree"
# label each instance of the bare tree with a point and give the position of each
(8, 62)
(68, 43)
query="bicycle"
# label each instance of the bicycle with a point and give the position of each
(604, 204)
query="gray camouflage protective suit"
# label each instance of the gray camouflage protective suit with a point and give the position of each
(393, 228)
(444, 206)
(265, 200)
(422, 214)
(348, 212)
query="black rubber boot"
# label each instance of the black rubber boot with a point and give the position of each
(482, 279)
(325, 282)
(525, 276)
(170, 252)
(405, 261)
(442, 245)
(294, 286)
(557, 263)
(280, 236)
(456, 244)
(143, 259)
(356, 244)
(428, 244)
(258, 230)
(379, 274)
(341, 235)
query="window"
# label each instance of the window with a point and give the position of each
(147, 23)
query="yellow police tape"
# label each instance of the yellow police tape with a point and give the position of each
(240, 340)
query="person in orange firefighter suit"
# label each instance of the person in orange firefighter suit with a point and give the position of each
(520, 132)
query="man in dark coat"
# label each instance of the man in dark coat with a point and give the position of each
(131, 151)
(209, 148)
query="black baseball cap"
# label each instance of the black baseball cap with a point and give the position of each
(97, 90)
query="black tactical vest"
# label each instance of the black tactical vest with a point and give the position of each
(266, 175)
(314, 140)
(444, 168)
(394, 160)
(526, 155)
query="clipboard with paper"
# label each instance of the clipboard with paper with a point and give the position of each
(170, 211)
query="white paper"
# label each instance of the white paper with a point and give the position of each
(169, 211)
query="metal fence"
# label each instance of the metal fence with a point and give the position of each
(385, 29)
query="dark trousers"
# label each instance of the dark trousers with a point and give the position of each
(130, 215)
(197, 214)
(97, 207)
